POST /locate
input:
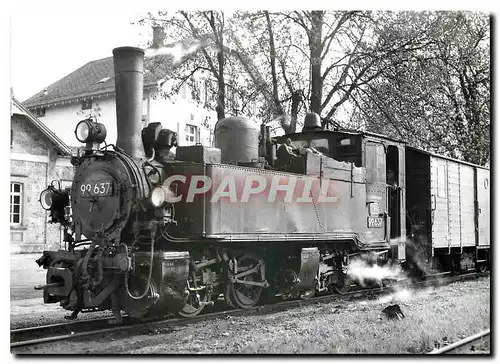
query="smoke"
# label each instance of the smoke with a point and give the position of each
(417, 257)
(364, 272)
(178, 51)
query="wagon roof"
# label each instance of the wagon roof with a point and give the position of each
(447, 158)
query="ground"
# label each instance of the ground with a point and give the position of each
(24, 275)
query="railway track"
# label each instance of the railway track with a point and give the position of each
(465, 345)
(24, 336)
(33, 336)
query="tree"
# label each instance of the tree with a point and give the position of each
(341, 51)
(436, 96)
(259, 56)
(285, 42)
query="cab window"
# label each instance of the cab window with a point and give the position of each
(375, 163)
(321, 145)
(341, 147)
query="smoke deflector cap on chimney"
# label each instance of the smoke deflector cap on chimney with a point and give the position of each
(129, 83)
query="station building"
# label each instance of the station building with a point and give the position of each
(37, 158)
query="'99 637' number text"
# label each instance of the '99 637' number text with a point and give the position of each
(99, 188)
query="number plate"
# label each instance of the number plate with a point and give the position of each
(96, 188)
(375, 222)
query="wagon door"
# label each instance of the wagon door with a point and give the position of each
(483, 207)
(439, 203)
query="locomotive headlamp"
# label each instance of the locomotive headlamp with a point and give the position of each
(88, 131)
(46, 198)
(55, 201)
(157, 196)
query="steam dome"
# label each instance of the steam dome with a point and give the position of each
(238, 140)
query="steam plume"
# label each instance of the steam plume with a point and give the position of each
(177, 51)
(365, 273)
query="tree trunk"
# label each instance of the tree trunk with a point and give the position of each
(316, 48)
(221, 94)
(296, 99)
(221, 86)
(277, 108)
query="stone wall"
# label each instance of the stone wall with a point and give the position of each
(26, 138)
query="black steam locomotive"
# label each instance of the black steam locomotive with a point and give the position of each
(150, 233)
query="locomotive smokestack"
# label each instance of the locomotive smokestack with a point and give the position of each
(129, 83)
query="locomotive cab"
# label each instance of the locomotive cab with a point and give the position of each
(383, 160)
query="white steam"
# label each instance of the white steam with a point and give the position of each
(364, 273)
(177, 51)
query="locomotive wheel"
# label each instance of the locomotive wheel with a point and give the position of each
(242, 295)
(193, 308)
(143, 307)
(482, 268)
(308, 294)
(343, 287)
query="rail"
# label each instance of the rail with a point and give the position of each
(464, 343)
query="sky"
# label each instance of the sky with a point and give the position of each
(48, 46)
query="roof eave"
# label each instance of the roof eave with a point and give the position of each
(61, 146)
(74, 99)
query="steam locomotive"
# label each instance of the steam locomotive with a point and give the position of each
(150, 233)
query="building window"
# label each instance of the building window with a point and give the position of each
(87, 104)
(39, 112)
(145, 110)
(16, 198)
(183, 91)
(191, 132)
(66, 183)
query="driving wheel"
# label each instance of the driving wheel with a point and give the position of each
(244, 295)
(344, 285)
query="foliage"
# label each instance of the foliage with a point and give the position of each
(435, 97)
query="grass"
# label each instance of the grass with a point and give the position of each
(432, 319)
